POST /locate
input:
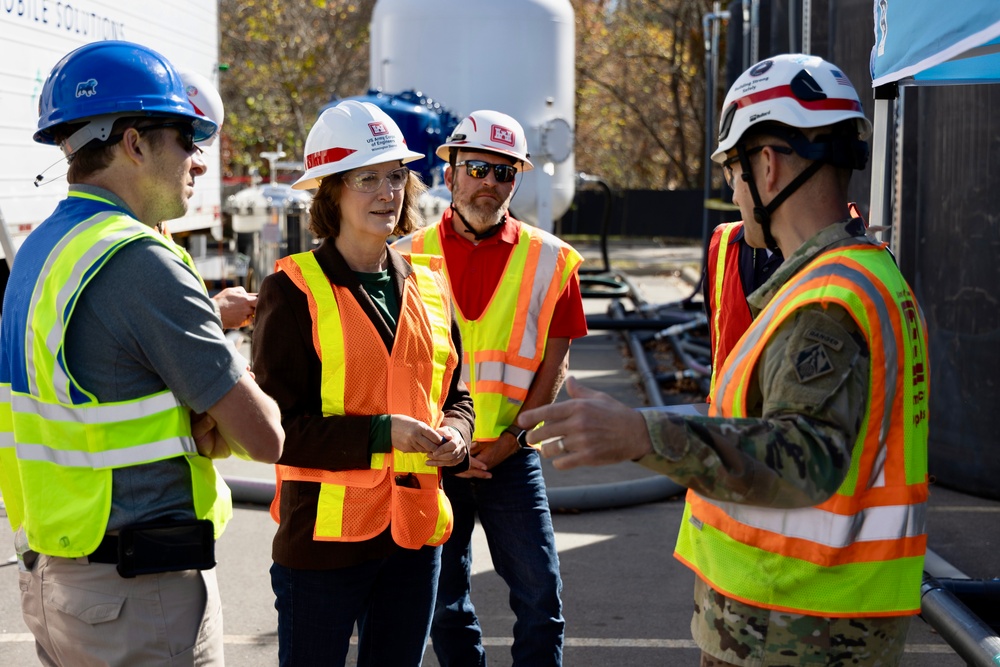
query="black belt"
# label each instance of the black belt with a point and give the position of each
(148, 548)
(106, 551)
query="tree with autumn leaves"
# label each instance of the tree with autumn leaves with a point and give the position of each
(640, 70)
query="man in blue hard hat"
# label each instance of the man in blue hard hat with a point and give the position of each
(117, 385)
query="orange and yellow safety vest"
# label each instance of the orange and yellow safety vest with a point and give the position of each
(399, 488)
(861, 552)
(729, 313)
(504, 347)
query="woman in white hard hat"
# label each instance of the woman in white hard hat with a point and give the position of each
(359, 347)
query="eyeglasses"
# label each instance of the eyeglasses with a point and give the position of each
(727, 164)
(185, 129)
(371, 181)
(504, 173)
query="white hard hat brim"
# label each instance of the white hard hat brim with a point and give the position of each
(312, 177)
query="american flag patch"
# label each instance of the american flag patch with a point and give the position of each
(839, 77)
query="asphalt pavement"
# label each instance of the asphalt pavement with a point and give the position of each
(627, 601)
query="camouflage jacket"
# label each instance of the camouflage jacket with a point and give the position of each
(795, 450)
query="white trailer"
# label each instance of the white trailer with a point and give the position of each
(34, 35)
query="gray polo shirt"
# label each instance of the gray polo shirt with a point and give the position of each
(142, 324)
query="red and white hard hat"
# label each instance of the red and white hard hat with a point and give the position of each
(350, 135)
(489, 131)
(798, 90)
(205, 99)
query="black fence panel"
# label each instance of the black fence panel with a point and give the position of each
(675, 214)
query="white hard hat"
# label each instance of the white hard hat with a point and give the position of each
(798, 90)
(350, 135)
(489, 131)
(205, 99)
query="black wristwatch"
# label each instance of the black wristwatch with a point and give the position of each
(521, 435)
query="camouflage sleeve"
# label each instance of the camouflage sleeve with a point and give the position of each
(808, 398)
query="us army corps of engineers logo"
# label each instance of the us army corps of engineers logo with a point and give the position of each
(812, 362)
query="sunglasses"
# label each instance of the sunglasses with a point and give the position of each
(185, 129)
(504, 173)
(371, 181)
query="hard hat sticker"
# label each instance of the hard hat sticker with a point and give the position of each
(502, 135)
(86, 88)
(378, 128)
(326, 156)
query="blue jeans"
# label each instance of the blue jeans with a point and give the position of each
(514, 512)
(390, 599)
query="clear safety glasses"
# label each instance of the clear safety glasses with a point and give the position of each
(504, 173)
(371, 181)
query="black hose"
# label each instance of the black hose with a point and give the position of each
(605, 222)
(603, 286)
(260, 492)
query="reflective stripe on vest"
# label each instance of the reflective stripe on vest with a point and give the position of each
(66, 443)
(504, 347)
(860, 553)
(10, 480)
(730, 314)
(357, 505)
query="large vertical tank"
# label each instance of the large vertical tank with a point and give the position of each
(515, 56)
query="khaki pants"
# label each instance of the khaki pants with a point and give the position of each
(84, 614)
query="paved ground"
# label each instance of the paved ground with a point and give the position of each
(627, 601)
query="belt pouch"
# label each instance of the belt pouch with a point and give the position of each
(166, 547)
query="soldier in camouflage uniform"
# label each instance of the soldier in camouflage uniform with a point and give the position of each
(782, 441)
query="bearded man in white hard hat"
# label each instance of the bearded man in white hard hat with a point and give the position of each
(517, 293)
(808, 480)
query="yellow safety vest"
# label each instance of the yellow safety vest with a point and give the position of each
(67, 442)
(861, 552)
(504, 347)
(399, 488)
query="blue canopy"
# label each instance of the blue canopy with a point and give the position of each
(934, 41)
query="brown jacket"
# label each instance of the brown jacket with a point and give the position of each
(287, 368)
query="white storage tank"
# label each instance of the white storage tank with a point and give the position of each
(515, 56)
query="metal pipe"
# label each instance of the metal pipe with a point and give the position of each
(635, 294)
(746, 36)
(939, 568)
(882, 152)
(710, 28)
(807, 26)
(974, 641)
(687, 359)
(792, 27)
(631, 324)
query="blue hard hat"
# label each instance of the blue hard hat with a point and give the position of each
(103, 81)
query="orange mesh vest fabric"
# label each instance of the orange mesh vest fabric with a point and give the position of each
(360, 377)
(729, 314)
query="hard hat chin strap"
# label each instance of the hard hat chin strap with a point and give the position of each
(477, 235)
(762, 213)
